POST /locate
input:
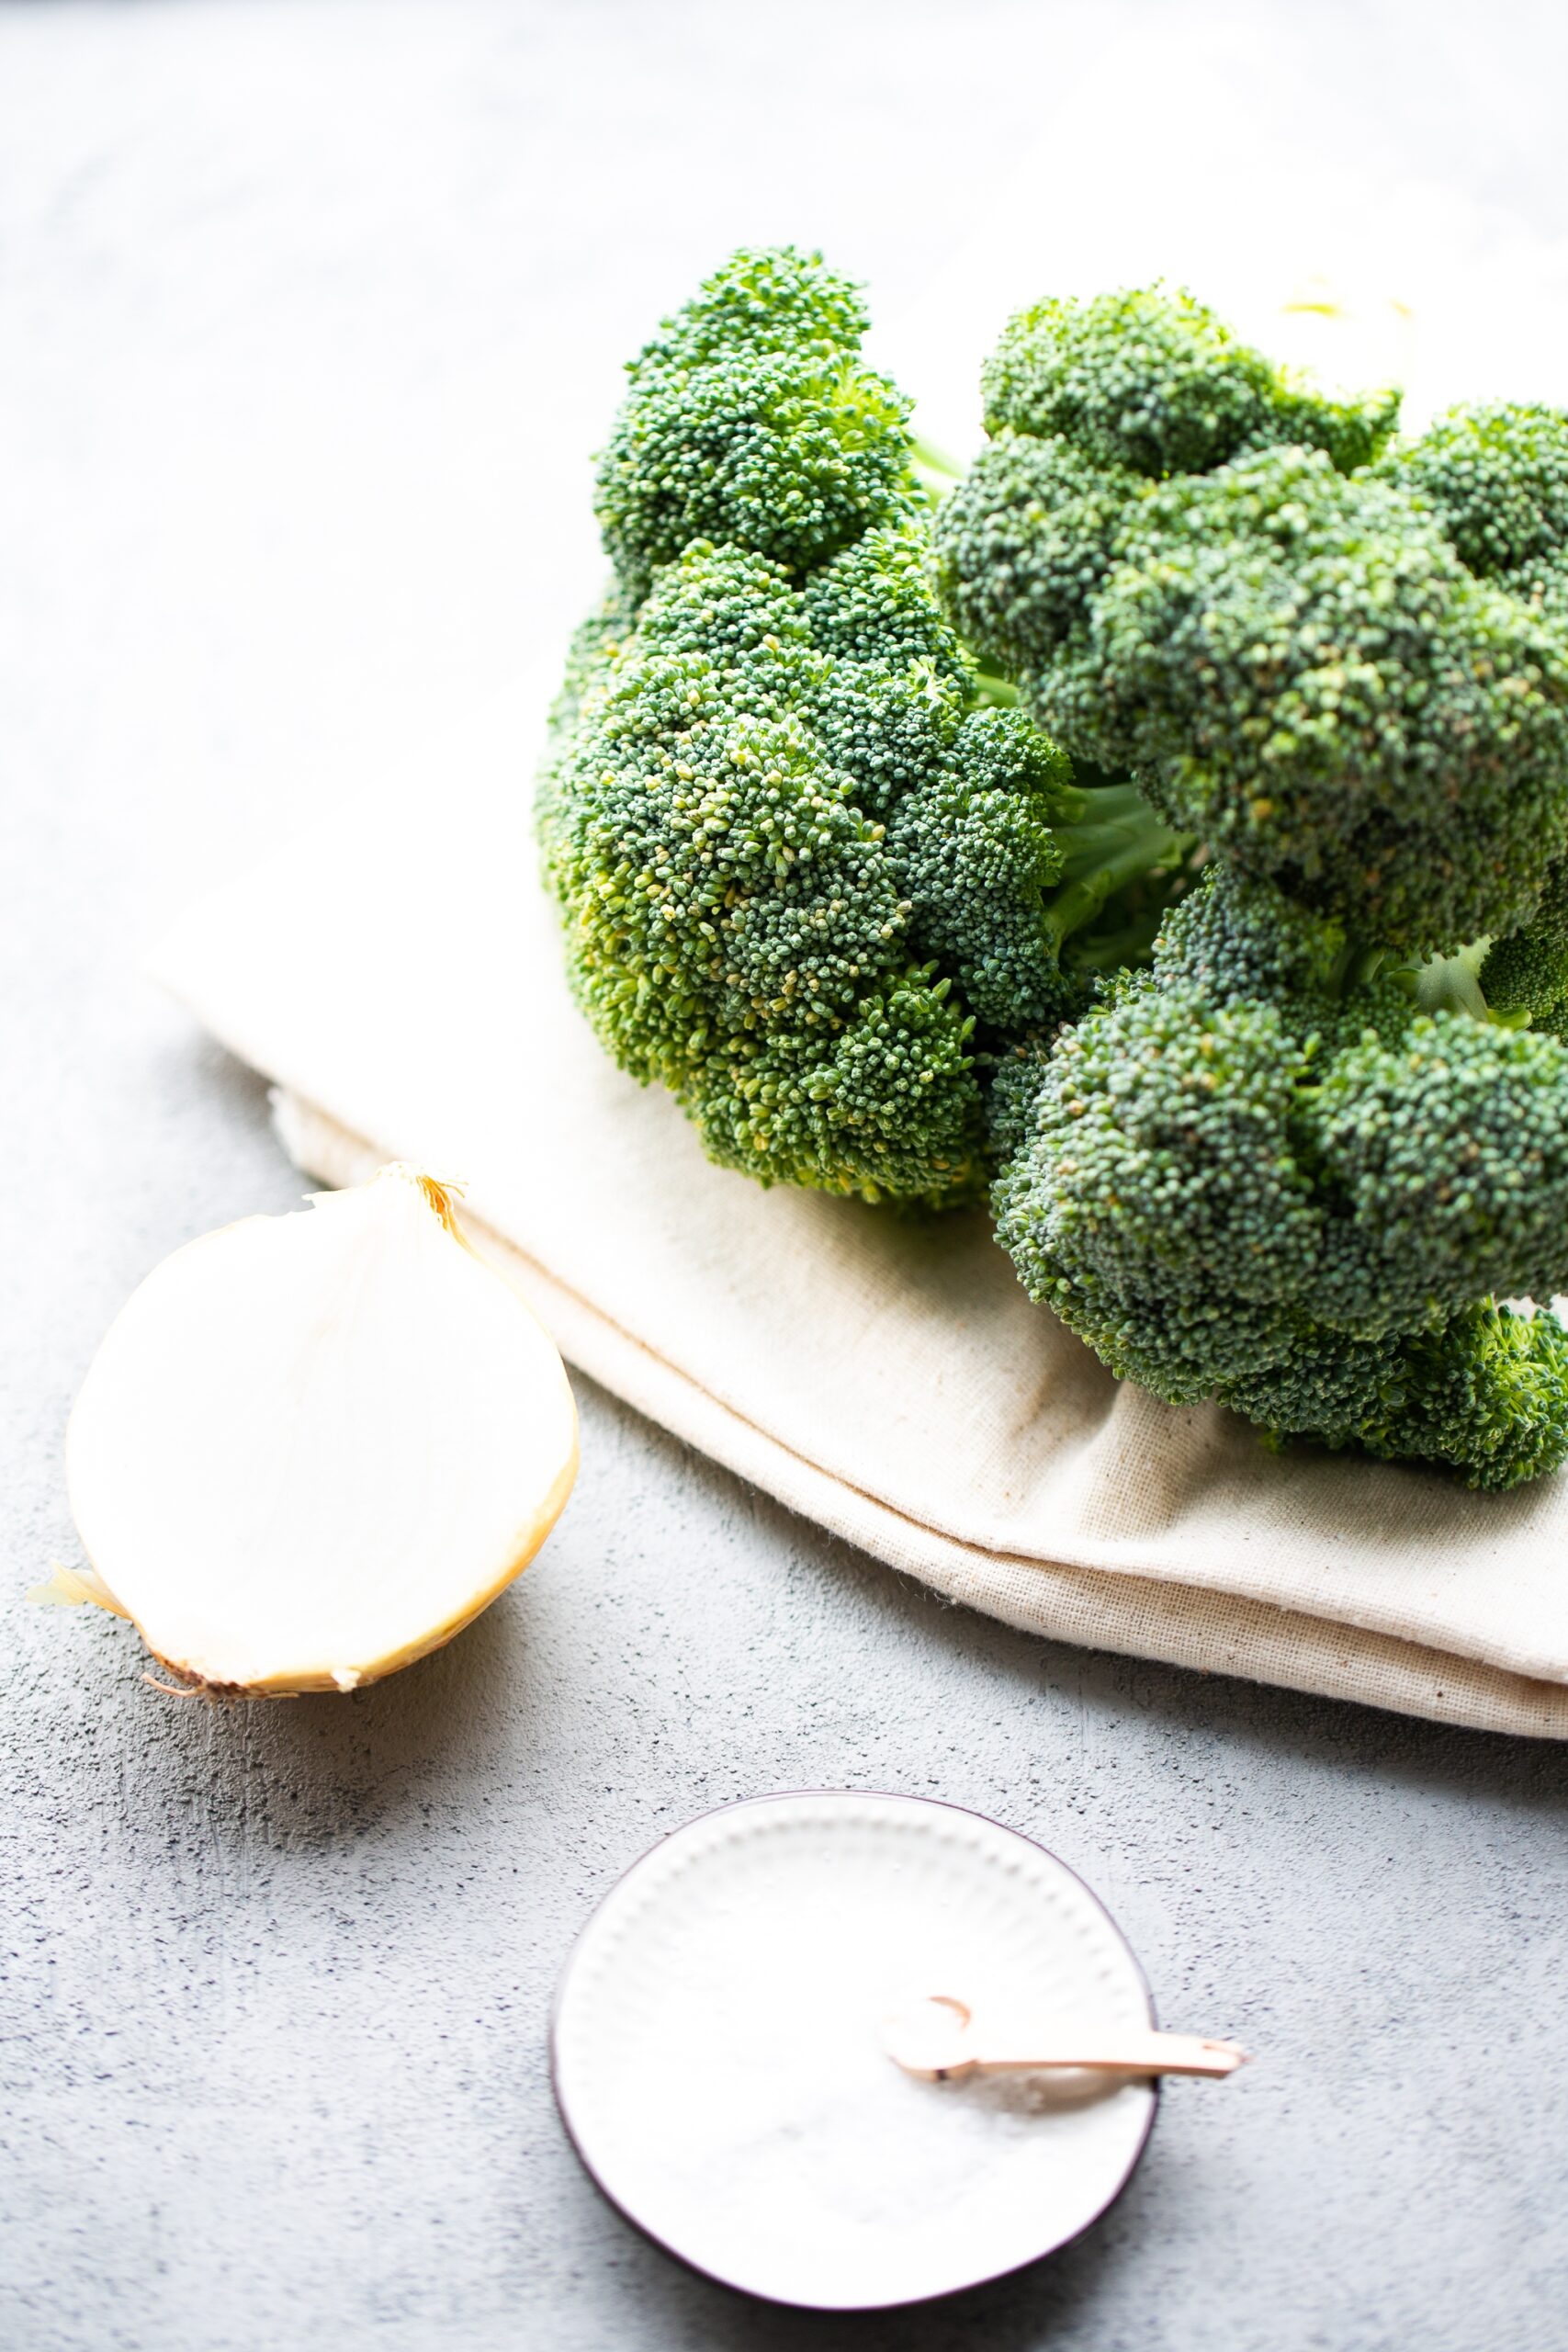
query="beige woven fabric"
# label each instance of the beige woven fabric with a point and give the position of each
(398, 975)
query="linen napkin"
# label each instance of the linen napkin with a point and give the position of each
(397, 974)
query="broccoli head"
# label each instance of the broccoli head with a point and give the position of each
(735, 926)
(809, 874)
(1252, 1174)
(798, 865)
(1321, 664)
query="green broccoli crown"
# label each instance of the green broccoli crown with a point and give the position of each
(1444, 1155)
(1527, 970)
(1236, 940)
(751, 419)
(1156, 383)
(1303, 671)
(1485, 1396)
(1158, 1155)
(1023, 546)
(1247, 1176)
(977, 857)
(808, 880)
(776, 859)
(770, 298)
(1191, 569)
(1496, 481)
(1233, 939)
(872, 930)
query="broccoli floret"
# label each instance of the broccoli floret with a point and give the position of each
(735, 928)
(892, 683)
(1156, 383)
(751, 418)
(1302, 672)
(1252, 1175)
(1157, 1155)
(1190, 570)
(976, 856)
(1527, 971)
(1023, 546)
(1444, 1158)
(771, 298)
(1486, 1397)
(1235, 940)
(794, 878)
(806, 876)
(1496, 480)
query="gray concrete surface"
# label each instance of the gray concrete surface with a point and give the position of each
(311, 313)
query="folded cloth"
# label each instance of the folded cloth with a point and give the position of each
(398, 975)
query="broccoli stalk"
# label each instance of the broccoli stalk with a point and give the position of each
(1111, 842)
(936, 472)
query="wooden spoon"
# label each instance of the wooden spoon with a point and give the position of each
(937, 2038)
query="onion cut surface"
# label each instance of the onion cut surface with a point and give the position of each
(313, 1447)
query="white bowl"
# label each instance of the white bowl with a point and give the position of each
(718, 2062)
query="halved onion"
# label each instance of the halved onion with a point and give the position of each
(313, 1447)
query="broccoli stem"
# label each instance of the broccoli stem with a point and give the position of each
(1129, 945)
(1453, 984)
(936, 473)
(926, 454)
(1111, 837)
(1357, 965)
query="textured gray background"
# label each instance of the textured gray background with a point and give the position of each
(311, 313)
